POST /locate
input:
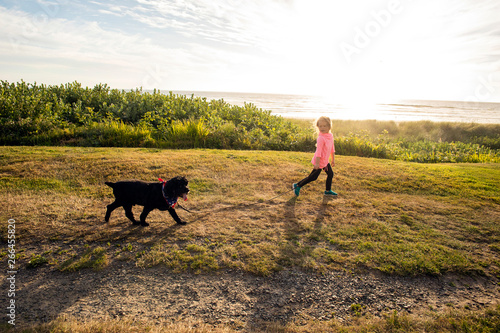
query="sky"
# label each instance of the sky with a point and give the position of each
(358, 50)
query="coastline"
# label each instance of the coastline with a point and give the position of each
(312, 107)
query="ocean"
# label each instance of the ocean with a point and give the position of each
(310, 107)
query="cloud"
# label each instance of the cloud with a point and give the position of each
(467, 30)
(260, 45)
(75, 48)
(247, 23)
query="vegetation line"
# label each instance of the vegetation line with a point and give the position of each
(70, 115)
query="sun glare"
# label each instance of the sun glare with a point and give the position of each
(359, 107)
(403, 60)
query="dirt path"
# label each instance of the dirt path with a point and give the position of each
(123, 290)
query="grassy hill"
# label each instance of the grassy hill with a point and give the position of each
(390, 216)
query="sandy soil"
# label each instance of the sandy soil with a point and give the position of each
(241, 300)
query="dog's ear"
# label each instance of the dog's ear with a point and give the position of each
(180, 181)
(169, 188)
(174, 184)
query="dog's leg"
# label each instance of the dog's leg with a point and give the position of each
(110, 208)
(129, 214)
(175, 216)
(144, 214)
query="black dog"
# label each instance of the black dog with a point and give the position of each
(162, 196)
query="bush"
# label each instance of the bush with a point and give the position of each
(69, 114)
(72, 115)
(360, 145)
(191, 133)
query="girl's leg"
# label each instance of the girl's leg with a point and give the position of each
(312, 177)
(329, 171)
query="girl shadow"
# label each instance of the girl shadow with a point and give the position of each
(320, 217)
(292, 225)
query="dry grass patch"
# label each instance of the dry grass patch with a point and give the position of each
(396, 217)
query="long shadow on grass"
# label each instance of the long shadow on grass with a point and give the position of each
(98, 231)
(45, 293)
(278, 302)
(320, 217)
(273, 293)
(292, 225)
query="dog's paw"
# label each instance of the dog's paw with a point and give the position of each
(181, 223)
(144, 224)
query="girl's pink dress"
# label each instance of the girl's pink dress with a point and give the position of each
(324, 148)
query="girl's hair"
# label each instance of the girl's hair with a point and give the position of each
(322, 118)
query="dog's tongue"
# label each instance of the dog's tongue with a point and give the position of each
(185, 196)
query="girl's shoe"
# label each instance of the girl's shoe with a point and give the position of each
(296, 189)
(330, 193)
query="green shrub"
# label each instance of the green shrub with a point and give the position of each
(36, 261)
(357, 145)
(69, 114)
(191, 133)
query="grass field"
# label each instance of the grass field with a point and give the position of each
(391, 216)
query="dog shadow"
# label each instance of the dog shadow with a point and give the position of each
(122, 230)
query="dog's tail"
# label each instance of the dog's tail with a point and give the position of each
(110, 184)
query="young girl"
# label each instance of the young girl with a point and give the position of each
(324, 149)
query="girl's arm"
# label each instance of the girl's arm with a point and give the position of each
(333, 154)
(320, 142)
(316, 162)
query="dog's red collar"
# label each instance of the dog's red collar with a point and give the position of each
(170, 201)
